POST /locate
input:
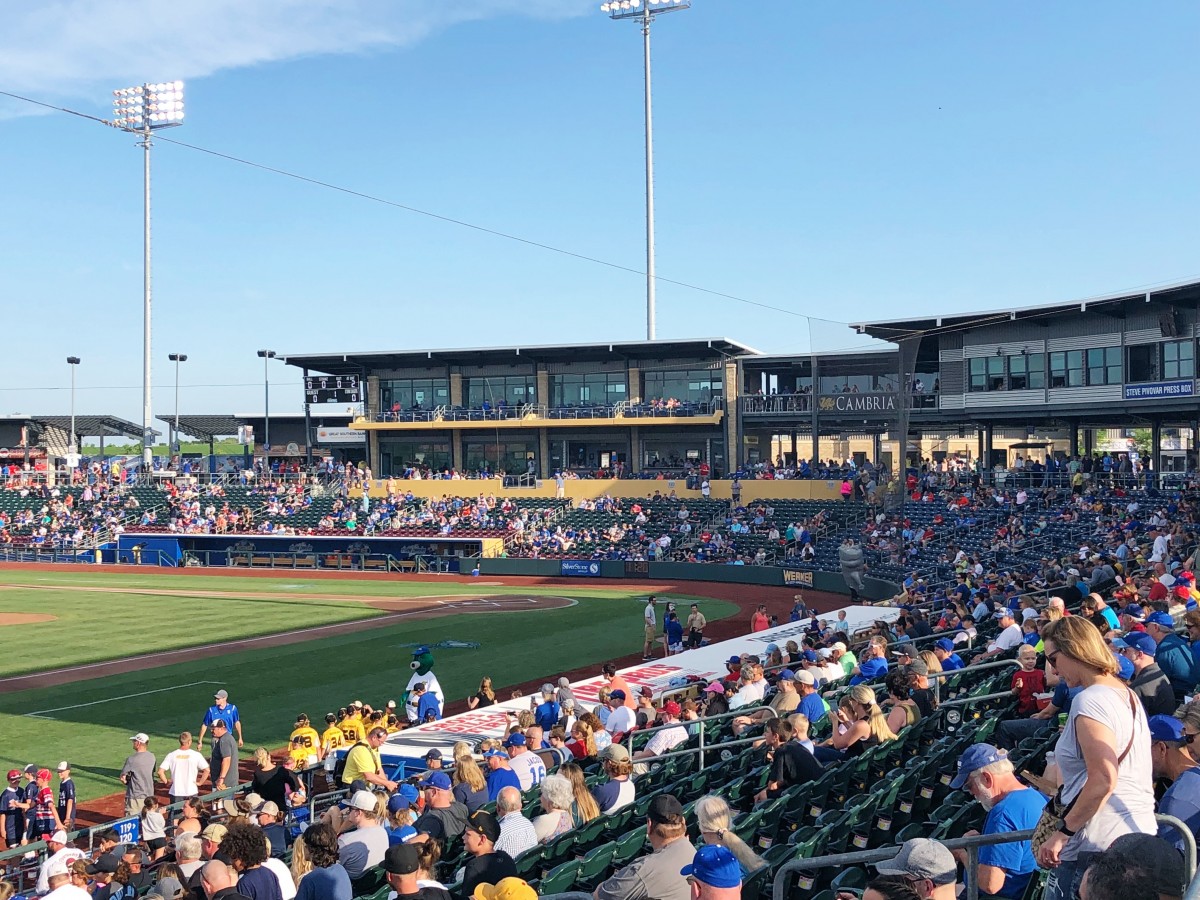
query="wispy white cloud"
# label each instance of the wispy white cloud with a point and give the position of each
(66, 48)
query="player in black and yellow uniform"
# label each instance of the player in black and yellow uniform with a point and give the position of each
(332, 739)
(304, 742)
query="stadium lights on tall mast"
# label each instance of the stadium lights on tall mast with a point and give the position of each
(142, 110)
(73, 446)
(645, 11)
(176, 358)
(266, 356)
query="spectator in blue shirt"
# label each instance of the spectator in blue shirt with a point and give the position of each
(810, 703)
(873, 664)
(428, 708)
(547, 713)
(500, 773)
(987, 774)
(224, 710)
(1173, 758)
(944, 651)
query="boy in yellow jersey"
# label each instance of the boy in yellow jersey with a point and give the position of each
(332, 739)
(352, 725)
(304, 737)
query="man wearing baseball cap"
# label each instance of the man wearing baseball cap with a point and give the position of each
(400, 865)
(500, 774)
(987, 774)
(444, 817)
(943, 649)
(1173, 655)
(222, 709)
(137, 774)
(925, 864)
(620, 717)
(1174, 757)
(714, 874)
(667, 739)
(60, 854)
(1149, 682)
(487, 865)
(658, 874)
(363, 847)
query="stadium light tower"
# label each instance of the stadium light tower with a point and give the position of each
(266, 356)
(73, 445)
(176, 358)
(143, 110)
(644, 11)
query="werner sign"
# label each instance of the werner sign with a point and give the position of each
(857, 404)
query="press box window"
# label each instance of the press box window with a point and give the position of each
(1179, 360)
(1104, 365)
(1066, 369)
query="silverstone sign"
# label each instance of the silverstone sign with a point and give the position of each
(1160, 390)
(875, 403)
(581, 568)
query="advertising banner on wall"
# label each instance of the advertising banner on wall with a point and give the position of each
(580, 568)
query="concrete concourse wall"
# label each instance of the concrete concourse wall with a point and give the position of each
(590, 488)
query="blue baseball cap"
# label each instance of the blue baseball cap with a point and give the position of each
(397, 802)
(1161, 618)
(787, 675)
(733, 661)
(1168, 729)
(1136, 640)
(420, 650)
(715, 866)
(810, 656)
(516, 739)
(1124, 668)
(974, 758)
(1134, 611)
(945, 644)
(488, 754)
(439, 780)
(771, 648)
(408, 791)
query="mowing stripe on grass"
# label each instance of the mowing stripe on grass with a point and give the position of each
(42, 713)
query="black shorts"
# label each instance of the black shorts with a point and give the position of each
(156, 843)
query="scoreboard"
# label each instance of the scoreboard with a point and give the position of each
(333, 389)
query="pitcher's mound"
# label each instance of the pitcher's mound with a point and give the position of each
(9, 618)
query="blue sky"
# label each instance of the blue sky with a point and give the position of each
(844, 161)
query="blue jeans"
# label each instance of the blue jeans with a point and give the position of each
(1063, 883)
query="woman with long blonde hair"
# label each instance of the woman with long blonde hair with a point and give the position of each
(470, 787)
(859, 725)
(585, 808)
(485, 696)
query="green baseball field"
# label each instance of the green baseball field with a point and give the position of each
(90, 657)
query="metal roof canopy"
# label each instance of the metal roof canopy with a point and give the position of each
(899, 329)
(211, 427)
(354, 363)
(85, 425)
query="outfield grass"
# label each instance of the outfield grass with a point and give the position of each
(94, 625)
(89, 723)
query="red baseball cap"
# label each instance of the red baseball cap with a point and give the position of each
(43, 773)
(671, 708)
(14, 774)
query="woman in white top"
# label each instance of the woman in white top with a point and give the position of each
(1103, 757)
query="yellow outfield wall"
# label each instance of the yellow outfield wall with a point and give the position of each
(595, 487)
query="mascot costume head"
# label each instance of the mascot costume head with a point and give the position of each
(422, 666)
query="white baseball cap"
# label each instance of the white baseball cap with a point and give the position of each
(141, 737)
(59, 837)
(805, 677)
(840, 646)
(62, 766)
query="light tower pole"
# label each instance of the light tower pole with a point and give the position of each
(644, 11)
(142, 110)
(176, 358)
(266, 356)
(73, 445)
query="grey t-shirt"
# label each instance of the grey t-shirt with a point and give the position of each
(362, 849)
(140, 769)
(653, 877)
(225, 746)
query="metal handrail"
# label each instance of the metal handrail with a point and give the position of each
(971, 845)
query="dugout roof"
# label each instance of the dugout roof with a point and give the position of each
(355, 363)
